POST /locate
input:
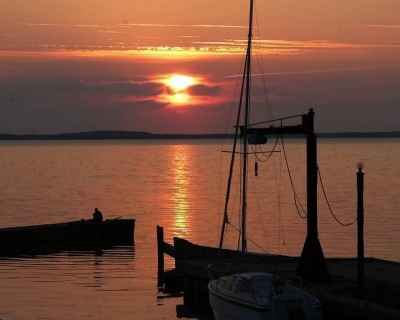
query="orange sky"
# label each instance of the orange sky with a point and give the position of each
(72, 65)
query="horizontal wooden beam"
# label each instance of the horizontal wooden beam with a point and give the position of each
(298, 129)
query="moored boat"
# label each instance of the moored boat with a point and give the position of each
(261, 296)
(254, 295)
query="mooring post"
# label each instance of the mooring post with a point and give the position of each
(360, 225)
(160, 249)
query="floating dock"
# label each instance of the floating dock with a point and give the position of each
(74, 235)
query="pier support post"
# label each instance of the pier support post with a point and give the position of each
(360, 226)
(160, 251)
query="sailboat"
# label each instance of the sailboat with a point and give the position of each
(255, 295)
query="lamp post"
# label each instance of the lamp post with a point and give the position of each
(360, 225)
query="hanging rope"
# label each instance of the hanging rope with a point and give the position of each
(296, 199)
(327, 202)
(270, 153)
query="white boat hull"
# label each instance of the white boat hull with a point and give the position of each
(225, 308)
(272, 300)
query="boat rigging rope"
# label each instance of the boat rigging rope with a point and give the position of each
(327, 202)
(240, 201)
(296, 199)
(260, 64)
(270, 153)
(223, 144)
(247, 238)
(259, 210)
(278, 186)
(287, 248)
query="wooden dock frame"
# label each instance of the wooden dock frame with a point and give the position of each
(192, 260)
(195, 293)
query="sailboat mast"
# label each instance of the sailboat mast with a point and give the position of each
(246, 124)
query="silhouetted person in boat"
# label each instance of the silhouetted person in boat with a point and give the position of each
(97, 215)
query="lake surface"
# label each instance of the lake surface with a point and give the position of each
(180, 185)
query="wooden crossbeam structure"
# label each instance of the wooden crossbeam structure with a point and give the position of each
(312, 265)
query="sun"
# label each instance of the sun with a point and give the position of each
(177, 89)
(179, 98)
(180, 82)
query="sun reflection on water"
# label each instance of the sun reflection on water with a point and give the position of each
(181, 163)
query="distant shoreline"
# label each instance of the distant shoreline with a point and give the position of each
(133, 135)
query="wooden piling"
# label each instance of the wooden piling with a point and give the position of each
(160, 250)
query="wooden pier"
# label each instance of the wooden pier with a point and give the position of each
(74, 235)
(191, 261)
(340, 297)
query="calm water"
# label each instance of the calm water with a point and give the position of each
(179, 185)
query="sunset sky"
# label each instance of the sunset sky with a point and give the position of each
(84, 65)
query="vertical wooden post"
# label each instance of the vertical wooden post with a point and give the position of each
(360, 226)
(160, 250)
(312, 265)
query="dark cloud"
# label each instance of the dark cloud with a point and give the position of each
(203, 90)
(28, 86)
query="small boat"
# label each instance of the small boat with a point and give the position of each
(261, 296)
(255, 295)
(74, 235)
